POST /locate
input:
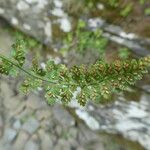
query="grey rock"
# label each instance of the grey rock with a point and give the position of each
(128, 118)
(1, 121)
(71, 136)
(6, 90)
(80, 148)
(118, 35)
(85, 135)
(46, 141)
(59, 130)
(30, 145)
(73, 132)
(62, 145)
(127, 125)
(97, 145)
(34, 137)
(36, 18)
(146, 88)
(47, 124)
(44, 113)
(21, 140)
(62, 116)
(5, 146)
(145, 100)
(136, 48)
(147, 120)
(1, 125)
(31, 125)
(16, 112)
(9, 134)
(5, 41)
(90, 121)
(24, 114)
(12, 103)
(17, 124)
(35, 102)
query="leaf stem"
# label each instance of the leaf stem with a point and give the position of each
(25, 71)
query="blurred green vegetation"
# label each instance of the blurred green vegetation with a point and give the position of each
(82, 39)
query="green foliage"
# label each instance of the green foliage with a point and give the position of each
(5, 66)
(124, 53)
(30, 83)
(36, 69)
(97, 81)
(18, 51)
(142, 1)
(82, 39)
(113, 3)
(30, 42)
(147, 11)
(126, 10)
(119, 7)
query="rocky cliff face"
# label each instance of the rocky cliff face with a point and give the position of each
(48, 20)
(45, 19)
(37, 17)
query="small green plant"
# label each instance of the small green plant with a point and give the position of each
(126, 10)
(29, 41)
(124, 53)
(96, 81)
(83, 39)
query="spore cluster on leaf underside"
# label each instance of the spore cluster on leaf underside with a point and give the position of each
(97, 81)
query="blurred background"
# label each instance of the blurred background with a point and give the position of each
(75, 32)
